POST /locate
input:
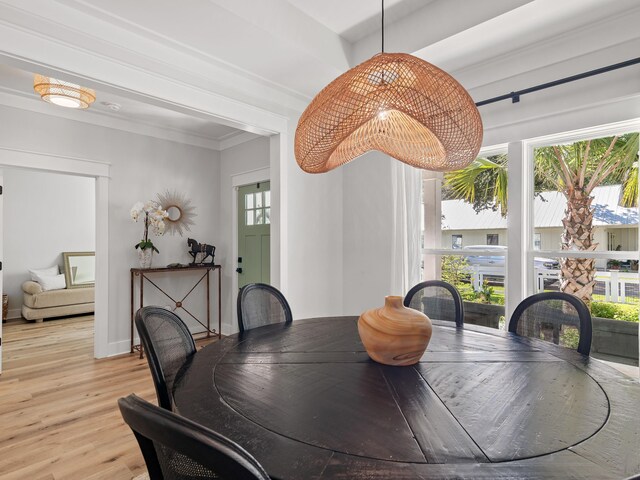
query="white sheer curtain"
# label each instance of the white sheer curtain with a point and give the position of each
(406, 197)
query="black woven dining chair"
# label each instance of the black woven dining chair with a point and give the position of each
(175, 448)
(168, 344)
(260, 304)
(437, 300)
(556, 317)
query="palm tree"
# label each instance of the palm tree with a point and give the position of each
(573, 169)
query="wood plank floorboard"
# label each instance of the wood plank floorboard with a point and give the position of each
(58, 413)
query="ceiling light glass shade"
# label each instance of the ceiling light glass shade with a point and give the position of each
(395, 103)
(63, 93)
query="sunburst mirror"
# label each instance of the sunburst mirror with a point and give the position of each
(180, 211)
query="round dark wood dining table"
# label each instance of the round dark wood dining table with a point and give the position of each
(308, 403)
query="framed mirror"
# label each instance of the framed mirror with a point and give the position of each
(79, 269)
(180, 211)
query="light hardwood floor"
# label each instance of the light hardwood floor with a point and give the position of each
(58, 413)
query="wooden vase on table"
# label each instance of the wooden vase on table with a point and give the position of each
(393, 334)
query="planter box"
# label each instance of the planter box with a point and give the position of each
(483, 314)
(609, 337)
(615, 337)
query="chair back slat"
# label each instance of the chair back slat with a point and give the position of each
(168, 344)
(260, 304)
(175, 448)
(438, 300)
(555, 317)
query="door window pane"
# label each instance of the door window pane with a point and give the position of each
(249, 217)
(267, 198)
(248, 200)
(267, 215)
(259, 216)
(259, 200)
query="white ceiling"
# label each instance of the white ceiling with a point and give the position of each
(353, 20)
(133, 114)
(293, 48)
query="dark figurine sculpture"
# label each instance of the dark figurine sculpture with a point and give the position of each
(196, 248)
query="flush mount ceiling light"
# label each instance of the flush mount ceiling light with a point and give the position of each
(395, 103)
(63, 94)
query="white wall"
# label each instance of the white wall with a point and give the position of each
(45, 214)
(141, 167)
(314, 243)
(243, 158)
(368, 237)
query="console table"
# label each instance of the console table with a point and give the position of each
(204, 272)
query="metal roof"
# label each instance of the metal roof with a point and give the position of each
(548, 211)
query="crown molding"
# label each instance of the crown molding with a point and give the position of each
(20, 100)
(235, 139)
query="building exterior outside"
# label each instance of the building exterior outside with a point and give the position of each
(615, 227)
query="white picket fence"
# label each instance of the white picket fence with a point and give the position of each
(478, 273)
(615, 282)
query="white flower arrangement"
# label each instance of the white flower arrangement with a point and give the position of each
(154, 217)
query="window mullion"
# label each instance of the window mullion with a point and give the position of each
(517, 228)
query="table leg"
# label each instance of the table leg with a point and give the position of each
(208, 295)
(141, 305)
(220, 302)
(132, 310)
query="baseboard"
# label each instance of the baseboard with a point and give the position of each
(118, 348)
(14, 313)
(229, 329)
(124, 346)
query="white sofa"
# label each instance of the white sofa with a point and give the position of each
(39, 304)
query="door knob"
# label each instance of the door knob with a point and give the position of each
(239, 269)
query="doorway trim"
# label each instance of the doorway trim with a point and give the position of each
(45, 162)
(240, 180)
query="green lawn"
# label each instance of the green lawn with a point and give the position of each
(627, 312)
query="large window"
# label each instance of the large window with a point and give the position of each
(585, 199)
(467, 246)
(575, 202)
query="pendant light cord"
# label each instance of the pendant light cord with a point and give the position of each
(382, 28)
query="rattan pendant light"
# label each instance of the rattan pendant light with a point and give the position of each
(395, 103)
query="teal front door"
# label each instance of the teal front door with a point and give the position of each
(254, 228)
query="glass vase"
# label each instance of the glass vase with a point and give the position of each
(145, 257)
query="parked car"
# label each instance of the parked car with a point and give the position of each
(488, 260)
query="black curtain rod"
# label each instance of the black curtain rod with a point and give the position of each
(515, 96)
